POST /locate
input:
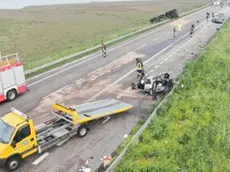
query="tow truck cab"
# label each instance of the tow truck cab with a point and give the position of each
(17, 139)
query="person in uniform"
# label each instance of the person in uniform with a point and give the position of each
(192, 29)
(213, 15)
(174, 31)
(140, 67)
(207, 16)
(103, 49)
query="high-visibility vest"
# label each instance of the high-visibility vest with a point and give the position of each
(139, 66)
(179, 27)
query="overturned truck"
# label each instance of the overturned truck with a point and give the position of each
(169, 14)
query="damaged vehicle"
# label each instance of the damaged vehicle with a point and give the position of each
(159, 84)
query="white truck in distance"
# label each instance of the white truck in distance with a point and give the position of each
(12, 77)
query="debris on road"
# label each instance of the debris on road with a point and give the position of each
(106, 119)
(126, 135)
(107, 160)
(84, 169)
(41, 158)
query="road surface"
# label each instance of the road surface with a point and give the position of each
(95, 77)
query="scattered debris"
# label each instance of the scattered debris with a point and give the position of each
(84, 169)
(106, 119)
(87, 162)
(41, 158)
(107, 160)
(125, 136)
(91, 157)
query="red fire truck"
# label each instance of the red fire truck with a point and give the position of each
(12, 77)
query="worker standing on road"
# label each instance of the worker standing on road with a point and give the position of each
(103, 49)
(140, 67)
(192, 29)
(207, 16)
(174, 31)
(213, 15)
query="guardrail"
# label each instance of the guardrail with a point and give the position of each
(139, 132)
(95, 48)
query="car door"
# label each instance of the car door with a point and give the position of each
(24, 142)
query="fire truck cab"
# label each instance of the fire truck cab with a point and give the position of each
(12, 77)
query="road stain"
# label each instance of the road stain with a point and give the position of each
(83, 88)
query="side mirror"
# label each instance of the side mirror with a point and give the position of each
(13, 144)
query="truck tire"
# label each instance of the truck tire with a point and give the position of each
(82, 131)
(11, 95)
(13, 163)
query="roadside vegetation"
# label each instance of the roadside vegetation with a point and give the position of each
(46, 33)
(191, 132)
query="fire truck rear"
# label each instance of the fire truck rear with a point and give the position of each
(12, 77)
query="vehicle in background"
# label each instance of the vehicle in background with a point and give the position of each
(219, 18)
(216, 2)
(12, 77)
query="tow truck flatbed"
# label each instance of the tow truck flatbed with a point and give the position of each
(101, 108)
(27, 139)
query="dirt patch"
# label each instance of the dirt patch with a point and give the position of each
(84, 88)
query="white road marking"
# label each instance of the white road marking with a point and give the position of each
(167, 58)
(141, 46)
(130, 72)
(156, 66)
(155, 39)
(41, 158)
(161, 62)
(150, 72)
(167, 33)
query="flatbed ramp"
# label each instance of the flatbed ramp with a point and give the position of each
(101, 108)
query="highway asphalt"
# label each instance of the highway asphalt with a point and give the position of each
(95, 77)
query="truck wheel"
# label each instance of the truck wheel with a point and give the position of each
(11, 95)
(13, 163)
(82, 131)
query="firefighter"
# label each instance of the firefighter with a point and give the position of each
(174, 31)
(192, 29)
(207, 16)
(213, 15)
(140, 67)
(103, 49)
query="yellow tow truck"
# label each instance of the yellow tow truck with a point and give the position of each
(19, 138)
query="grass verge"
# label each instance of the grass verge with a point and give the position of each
(44, 34)
(191, 131)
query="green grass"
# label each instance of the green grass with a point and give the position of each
(191, 132)
(44, 34)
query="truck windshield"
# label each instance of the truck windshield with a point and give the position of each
(6, 132)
